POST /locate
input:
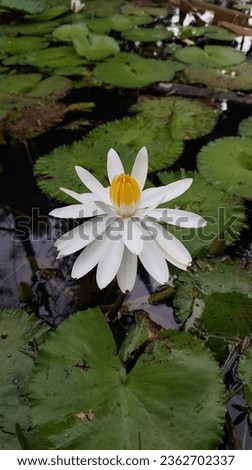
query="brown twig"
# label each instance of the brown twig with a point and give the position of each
(220, 13)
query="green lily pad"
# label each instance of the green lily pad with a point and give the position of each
(147, 34)
(245, 127)
(227, 163)
(127, 136)
(238, 77)
(210, 56)
(66, 32)
(49, 13)
(95, 47)
(101, 8)
(132, 71)
(185, 118)
(132, 9)
(17, 348)
(27, 6)
(29, 105)
(27, 29)
(111, 409)
(219, 34)
(117, 22)
(245, 370)
(224, 214)
(55, 57)
(12, 84)
(185, 32)
(218, 300)
(21, 45)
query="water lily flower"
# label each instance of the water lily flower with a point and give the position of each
(76, 6)
(125, 225)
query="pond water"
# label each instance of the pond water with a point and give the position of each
(94, 94)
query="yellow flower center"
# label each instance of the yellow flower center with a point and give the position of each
(125, 194)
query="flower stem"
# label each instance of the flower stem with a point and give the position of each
(112, 314)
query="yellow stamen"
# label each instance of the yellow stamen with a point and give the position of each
(125, 194)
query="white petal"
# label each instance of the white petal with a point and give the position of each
(126, 276)
(81, 236)
(152, 199)
(110, 261)
(140, 167)
(154, 261)
(75, 211)
(106, 208)
(89, 180)
(141, 213)
(114, 165)
(88, 258)
(168, 192)
(84, 198)
(133, 235)
(177, 188)
(171, 246)
(178, 217)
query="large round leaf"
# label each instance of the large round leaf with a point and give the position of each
(27, 6)
(147, 34)
(184, 118)
(55, 57)
(227, 163)
(21, 45)
(127, 136)
(238, 77)
(217, 299)
(132, 71)
(245, 370)
(82, 398)
(117, 22)
(16, 351)
(210, 56)
(245, 127)
(224, 214)
(95, 46)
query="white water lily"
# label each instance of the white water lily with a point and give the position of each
(125, 225)
(76, 6)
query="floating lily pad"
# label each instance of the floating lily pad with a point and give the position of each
(245, 127)
(49, 13)
(23, 115)
(17, 348)
(219, 34)
(27, 6)
(132, 71)
(66, 32)
(227, 163)
(224, 214)
(95, 47)
(218, 300)
(28, 28)
(127, 136)
(238, 77)
(184, 118)
(112, 409)
(133, 9)
(102, 8)
(245, 369)
(21, 45)
(55, 57)
(117, 22)
(185, 32)
(210, 56)
(147, 34)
